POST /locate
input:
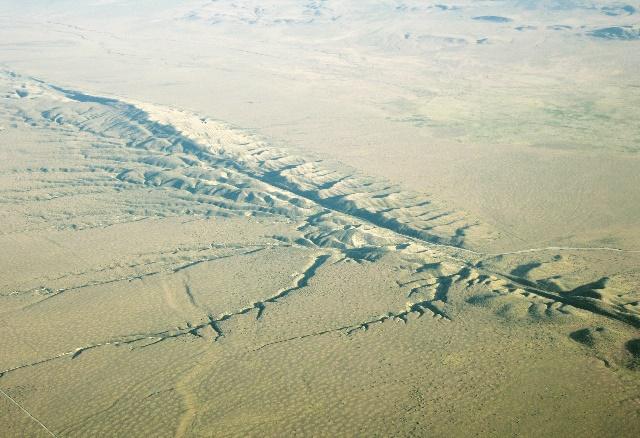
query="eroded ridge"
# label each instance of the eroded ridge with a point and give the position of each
(194, 167)
(244, 174)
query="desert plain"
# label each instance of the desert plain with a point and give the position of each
(319, 218)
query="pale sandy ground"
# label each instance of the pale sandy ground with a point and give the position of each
(491, 118)
(358, 250)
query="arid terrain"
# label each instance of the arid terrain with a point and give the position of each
(319, 218)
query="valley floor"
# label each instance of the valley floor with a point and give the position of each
(164, 274)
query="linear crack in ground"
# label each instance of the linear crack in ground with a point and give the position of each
(301, 282)
(187, 167)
